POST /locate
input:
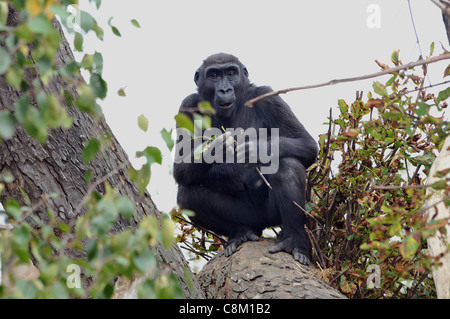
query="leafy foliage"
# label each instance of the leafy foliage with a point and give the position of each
(369, 208)
(366, 192)
(28, 46)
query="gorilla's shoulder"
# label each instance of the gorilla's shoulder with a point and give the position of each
(259, 90)
(190, 101)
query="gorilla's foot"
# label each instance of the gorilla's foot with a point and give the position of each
(290, 246)
(235, 240)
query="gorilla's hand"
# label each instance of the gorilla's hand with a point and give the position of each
(226, 141)
(248, 154)
(292, 245)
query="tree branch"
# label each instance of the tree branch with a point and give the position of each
(445, 8)
(443, 56)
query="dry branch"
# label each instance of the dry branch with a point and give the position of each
(410, 65)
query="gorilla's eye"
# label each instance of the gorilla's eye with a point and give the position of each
(213, 75)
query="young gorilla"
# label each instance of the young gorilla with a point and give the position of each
(230, 198)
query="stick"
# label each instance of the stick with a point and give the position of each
(443, 56)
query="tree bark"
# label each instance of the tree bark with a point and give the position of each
(444, 5)
(254, 273)
(439, 244)
(57, 167)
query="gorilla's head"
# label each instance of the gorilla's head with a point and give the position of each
(222, 80)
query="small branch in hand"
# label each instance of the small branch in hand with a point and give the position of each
(263, 178)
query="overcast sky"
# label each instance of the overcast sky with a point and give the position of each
(282, 43)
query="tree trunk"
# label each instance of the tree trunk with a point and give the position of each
(57, 167)
(439, 244)
(254, 273)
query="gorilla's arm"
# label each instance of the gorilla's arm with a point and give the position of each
(294, 140)
(221, 177)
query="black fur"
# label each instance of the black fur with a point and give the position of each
(230, 198)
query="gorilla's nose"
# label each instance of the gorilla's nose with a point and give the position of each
(225, 91)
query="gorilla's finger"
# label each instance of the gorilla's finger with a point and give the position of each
(221, 139)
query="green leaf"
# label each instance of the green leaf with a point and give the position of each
(7, 124)
(27, 289)
(439, 185)
(12, 207)
(431, 48)
(125, 206)
(152, 154)
(22, 235)
(394, 57)
(98, 85)
(90, 150)
(426, 160)
(143, 122)
(167, 137)
(380, 89)
(3, 13)
(443, 95)
(41, 25)
(145, 261)
(113, 28)
(121, 92)
(141, 177)
(422, 109)
(78, 42)
(206, 108)
(87, 22)
(5, 61)
(53, 114)
(135, 23)
(184, 121)
(35, 125)
(410, 245)
(343, 106)
(91, 249)
(168, 227)
(116, 31)
(15, 77)
(86, 101)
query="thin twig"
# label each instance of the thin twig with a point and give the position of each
(373, 186)
(222, 240)
(417, 39)
(263, 178)
(441, 57)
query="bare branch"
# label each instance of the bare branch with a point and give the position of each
(410, 65)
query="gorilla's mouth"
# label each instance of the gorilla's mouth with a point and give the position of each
(226, 105)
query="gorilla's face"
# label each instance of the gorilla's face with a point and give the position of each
(222, 83)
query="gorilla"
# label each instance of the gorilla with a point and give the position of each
(235, 197)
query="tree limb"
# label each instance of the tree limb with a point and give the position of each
(443, 56)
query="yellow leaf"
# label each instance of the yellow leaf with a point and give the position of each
(447, 71)
(24, 50)
(34, 7)
(47, 11)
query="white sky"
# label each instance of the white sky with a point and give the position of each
(283, 44)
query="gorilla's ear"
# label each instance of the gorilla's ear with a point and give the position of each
(196, 76)
(245, 71)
